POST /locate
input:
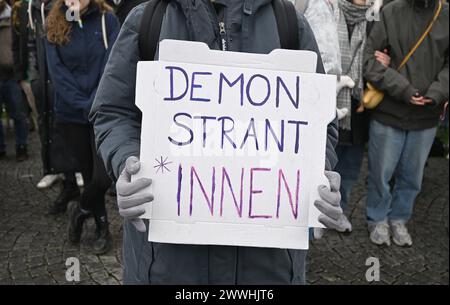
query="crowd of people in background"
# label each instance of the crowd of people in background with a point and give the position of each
(51, 68)
(400, 132)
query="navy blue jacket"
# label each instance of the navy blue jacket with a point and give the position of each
(76, 67)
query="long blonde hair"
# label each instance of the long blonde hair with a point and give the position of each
(58, 28)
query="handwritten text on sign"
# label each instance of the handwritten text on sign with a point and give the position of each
(232, 151)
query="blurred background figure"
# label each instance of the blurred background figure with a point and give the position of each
(323, 16)
(353, 28)
(403, 126)
(11, 95)
(30, 65)
(341, 28)
(77, 52)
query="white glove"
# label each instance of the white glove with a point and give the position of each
(332, 216)
(344, 81)
(129, 198)
(341, 113)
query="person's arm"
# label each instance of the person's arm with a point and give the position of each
(308, 42)
(438, 91)
(63, 81)
(116, 118)
(384, 78)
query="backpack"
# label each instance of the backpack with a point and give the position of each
(285, 14)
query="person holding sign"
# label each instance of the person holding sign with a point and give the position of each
(241, 26)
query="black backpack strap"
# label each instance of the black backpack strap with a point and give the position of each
(287, 23)
(150, 29)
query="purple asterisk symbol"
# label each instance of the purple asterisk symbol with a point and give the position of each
(162, 165)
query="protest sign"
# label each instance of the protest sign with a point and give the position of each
(235, 144)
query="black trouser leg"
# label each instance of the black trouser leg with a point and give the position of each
(99, 185)
(70, 181)
(96, 180)
(69, 192)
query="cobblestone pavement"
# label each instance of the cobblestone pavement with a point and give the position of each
(33, 245)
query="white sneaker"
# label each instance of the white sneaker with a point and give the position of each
(47, 181)
(400, 234)
(80, 181)
(379, 233)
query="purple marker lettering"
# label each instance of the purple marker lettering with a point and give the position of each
(198, 86)
(191, 133)
(204, 120)
(251, 127)
(209, 201)
(252, 192)
(280, 83)
(238, 206)
(239, 80)
(226, 131)
(180, 179)
(288, 190)
(186, 78)
(249, 85)
(280, 142)
(297, 133)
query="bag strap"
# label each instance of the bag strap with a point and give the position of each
(422, 38)
(151, 28)
(287, 23)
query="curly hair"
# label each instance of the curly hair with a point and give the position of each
(58, 28)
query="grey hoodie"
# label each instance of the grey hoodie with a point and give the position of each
(251, 27)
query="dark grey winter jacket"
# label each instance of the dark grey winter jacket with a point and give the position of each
(426, 72)
(251, 27)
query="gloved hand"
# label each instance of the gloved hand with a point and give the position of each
(344, 81)
(332, 214)
(129, 200)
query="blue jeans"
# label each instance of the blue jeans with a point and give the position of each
(349, 166)
(399, 154)
(11, 97)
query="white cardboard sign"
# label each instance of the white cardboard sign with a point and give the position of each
(235, 144)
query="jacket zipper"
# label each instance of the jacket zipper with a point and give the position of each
(223, 35)
(222, 28)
